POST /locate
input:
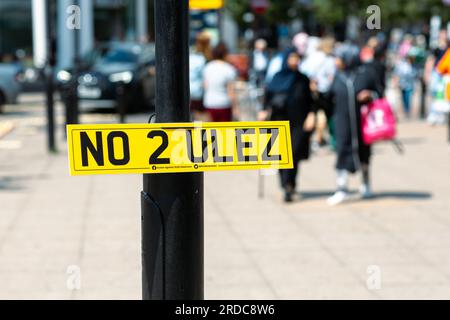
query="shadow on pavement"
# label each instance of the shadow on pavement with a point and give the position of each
(11, 184)
(9, 112)
(413, 141)
(17, 183)
(354, 195)
(311, 195)
(403, 195)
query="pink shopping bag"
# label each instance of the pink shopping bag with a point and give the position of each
(378, 121)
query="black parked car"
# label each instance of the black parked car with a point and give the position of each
(114, 75)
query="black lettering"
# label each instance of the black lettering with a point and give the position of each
(126, 148)
(240, 145)
(97, 153)
(154, 158)
(190, 147)
(273, 137)
(215, 149)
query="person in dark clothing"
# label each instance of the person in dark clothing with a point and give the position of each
(379, 66)
(288, 97)
(354, 85)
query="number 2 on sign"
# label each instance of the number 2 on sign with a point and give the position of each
(154, 158)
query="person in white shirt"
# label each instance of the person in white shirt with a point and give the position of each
(320, 67)
(197, 62)
(219, 77)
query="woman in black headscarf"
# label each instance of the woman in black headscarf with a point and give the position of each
(354, 85)
(288, 97)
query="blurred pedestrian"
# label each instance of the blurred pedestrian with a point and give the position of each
(288, 97)
(368, 51)
(312, 57)
(219, 77)
(320, 68)
(405, 46)
(419, 52)
(405, 76)
(259, 61)
(300, 43)
(378, 64)
(274, 67)
(197, 62)
(443, 68)
(354, 85)
(436, 81)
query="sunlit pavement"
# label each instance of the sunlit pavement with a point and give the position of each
(393, 246)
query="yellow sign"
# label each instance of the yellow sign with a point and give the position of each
(205, 4)
(178, 147)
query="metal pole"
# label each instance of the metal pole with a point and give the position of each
(50, 78)
(73, 119)
(71, 90)
(172, 204)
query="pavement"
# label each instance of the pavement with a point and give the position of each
(65, 237)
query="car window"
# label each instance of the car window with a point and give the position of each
(92, 56)
(120, 56)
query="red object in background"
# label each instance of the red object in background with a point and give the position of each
(366, 54)
(259, 6)
(220, 115)
(240, 62)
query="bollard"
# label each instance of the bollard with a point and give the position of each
(71, 99)
(172, 203)
(122, 103)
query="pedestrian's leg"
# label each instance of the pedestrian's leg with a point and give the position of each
(292, 176)
(366, 191)
(331, 131)
(282, 174)
(288, 182)
(320, 128)
(342, 180)
(406, 102)
(341, 193)
(409, 98)
(423, 94)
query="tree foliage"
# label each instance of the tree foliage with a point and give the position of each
(393, 12)
(278, 11)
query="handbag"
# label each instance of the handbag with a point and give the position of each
(278, 101)
(378, 121)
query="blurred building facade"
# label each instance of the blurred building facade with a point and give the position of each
(15, 26)
(101, 21)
